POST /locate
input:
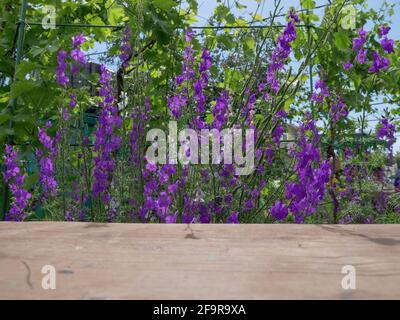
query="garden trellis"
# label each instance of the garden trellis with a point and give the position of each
(313, 42)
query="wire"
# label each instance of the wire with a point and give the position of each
(193, 27)
(80, 25)
(249, 27)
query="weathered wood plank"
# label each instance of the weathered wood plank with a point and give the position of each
(142, 261)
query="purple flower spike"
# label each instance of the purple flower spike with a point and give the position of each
(61, 76)
(126, 48)
(387, 132)
(15, 179)
(281, 52)
(106, 141)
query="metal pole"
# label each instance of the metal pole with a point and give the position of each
(13, 101)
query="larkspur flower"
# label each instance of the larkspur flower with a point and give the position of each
(379, 63)
(281, 52)
(106, 141)
(279, 210)
(338, 109)
(359, 42)
(383, 30)
(46, 162)
(387, 45)
(248, 110)
(126, 48)
(201, 83)
(72, 102)
(65, 114)
(78, 56)
(347, 65)
(61, 70)
(220, 111)
(15, 179)
(233, 218)
(78, 40)
(361, 56)
(387, 131)
(178, 101)
(312, 174)
(139, 119)
(322, 92)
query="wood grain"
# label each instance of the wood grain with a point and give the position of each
(143, 261)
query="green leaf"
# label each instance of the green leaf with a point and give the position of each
(342, 41)
(4, 117)
(22, 87)
(308, 4)
(5, 131)
(164, 4)
(26, 67)
(209, 118)
(30, 180)
(115, 14)
(357, 80)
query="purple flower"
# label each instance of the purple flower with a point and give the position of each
(361, 56)
(386, 131)
(278, 133)
(65, 114)
(189, 35)
(383, 30)
(140, 116)
(379, 63)
(78, 40)
(281, 52)
(171, 218)
(338, 109)
(106, 141)
(183, 81)
(279, 210)
(323, 92)
(152, 167)
(46, 162)
(233, 218)
(61, 76)
(172, 188)
(15, 179)
(69, 216)
(348, 153)
(79, 56)
(220, 111)
(293, 16)
(312, 174)
(126, 48)
(387, 45)
(201, 83)
(347, 65)
(360, 41)
(72, 102)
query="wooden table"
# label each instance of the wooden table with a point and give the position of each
(143, 261)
